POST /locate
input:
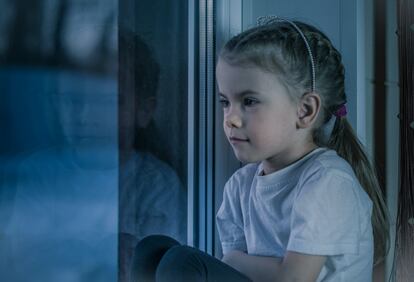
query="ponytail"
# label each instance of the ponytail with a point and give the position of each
(344, 141)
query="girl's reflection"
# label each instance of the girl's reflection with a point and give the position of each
(152, 199)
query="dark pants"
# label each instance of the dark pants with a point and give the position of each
(161, 258)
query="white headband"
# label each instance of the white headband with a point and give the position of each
(264, 20)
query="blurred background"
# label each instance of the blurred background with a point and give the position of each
(59, 160)
(93, 139)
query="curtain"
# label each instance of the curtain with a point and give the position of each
(405, 217)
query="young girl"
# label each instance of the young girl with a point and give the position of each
(307, 206)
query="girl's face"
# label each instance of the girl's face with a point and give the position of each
(259, 117)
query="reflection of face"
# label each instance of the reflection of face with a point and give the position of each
(259, 116)
(87, 111)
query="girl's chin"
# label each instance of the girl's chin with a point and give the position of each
(245, 159)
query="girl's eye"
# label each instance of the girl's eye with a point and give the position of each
(224, 103)
(250, 102)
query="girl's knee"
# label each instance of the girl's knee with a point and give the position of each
(154, 243)
(148, 253)
(155, 240)
(177, 257)
(180, 263)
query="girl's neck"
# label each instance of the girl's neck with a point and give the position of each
(279, 162)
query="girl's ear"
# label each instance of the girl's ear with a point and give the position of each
(308, 109)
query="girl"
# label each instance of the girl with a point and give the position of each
(307, 206)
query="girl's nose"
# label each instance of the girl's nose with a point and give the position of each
(233, 121)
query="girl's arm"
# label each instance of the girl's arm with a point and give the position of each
(293, 267)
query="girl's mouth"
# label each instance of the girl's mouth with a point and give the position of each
(236, 140)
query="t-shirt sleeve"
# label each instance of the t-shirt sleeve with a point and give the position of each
(229, 220)
(326, 216)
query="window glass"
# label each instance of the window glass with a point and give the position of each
(93, 119)
(59, 149)
(153, 123)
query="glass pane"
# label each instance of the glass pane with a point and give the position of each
(153, 123)
(59, 149)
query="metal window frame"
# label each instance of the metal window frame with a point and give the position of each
(200, 224)
(210, 160)
(192, 138)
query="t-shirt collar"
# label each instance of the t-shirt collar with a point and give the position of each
(285, 174)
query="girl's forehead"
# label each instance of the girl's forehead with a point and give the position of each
(226, 72)
(235, 78)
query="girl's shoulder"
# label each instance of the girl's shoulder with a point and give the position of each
(329, 174)
(244, 175)
(327, 161)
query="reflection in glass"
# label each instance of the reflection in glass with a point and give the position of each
(152, 197)
(152, 123)
(59, 165)
(73, 200)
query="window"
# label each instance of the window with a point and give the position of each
(94, 123)
(153, 123)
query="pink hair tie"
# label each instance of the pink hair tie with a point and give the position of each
(341, 112)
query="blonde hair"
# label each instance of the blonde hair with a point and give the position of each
(279, 48)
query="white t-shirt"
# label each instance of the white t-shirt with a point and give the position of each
(314, 206)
